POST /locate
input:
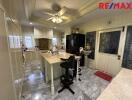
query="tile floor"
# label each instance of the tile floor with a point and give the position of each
(34, 87)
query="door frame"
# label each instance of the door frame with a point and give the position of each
(126, 29)
(121, 43)
(10, 67)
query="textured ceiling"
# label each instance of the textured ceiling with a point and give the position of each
(46, 4)
(35, 10)
(26, 9)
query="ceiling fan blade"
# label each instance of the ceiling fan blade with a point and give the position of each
(43, 12)
(49, 13)
(62, 11)
(49, 18)
(65, 17)
(72, 12)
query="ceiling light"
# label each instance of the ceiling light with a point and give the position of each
(30, 23)
(8, 19)
(57, 19)
(15, 21)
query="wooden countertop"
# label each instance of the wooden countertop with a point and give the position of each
(120, 88)
(55, 58)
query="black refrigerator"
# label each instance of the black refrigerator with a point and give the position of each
(73, 44)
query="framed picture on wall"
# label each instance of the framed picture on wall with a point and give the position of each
(90, 42)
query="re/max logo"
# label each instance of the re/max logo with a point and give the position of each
(115, 5)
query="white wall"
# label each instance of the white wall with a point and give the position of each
(28, 31)
(67, 31)
(58, 36)
(102, 23)
(48, 33)
(11, 69)
(13, 29)
(6, 81)
(0, 1)
(43, 33)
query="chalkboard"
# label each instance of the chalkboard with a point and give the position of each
(127, 58)
(109, 42)
(90, 41)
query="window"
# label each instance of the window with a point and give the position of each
(54, 41)
(11, 41)
(90, 42)
(14, 41)
(17, 42)
(28, 41)
(109, 42)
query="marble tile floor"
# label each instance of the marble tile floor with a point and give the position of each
(34, 87)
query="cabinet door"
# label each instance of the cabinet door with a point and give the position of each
(43, 44)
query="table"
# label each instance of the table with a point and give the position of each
(120, 88)
(52, 59)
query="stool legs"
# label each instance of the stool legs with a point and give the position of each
(66, 88)
(71, 90)
(61, 90)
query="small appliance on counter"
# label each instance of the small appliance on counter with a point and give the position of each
(54, 50)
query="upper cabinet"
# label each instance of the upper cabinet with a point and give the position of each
(43, 33)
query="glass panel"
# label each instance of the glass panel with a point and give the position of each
(28, 42)
(127, 58)
(109, 42)
(90, 42)
(14, 41)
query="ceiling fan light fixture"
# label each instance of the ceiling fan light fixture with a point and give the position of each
(57, 20)
(53, 20)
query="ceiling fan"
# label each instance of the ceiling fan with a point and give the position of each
(57, 14)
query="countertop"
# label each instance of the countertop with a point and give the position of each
(55, 58)
(120, 88)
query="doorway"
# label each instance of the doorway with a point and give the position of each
(109, 53)
(127, 57)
